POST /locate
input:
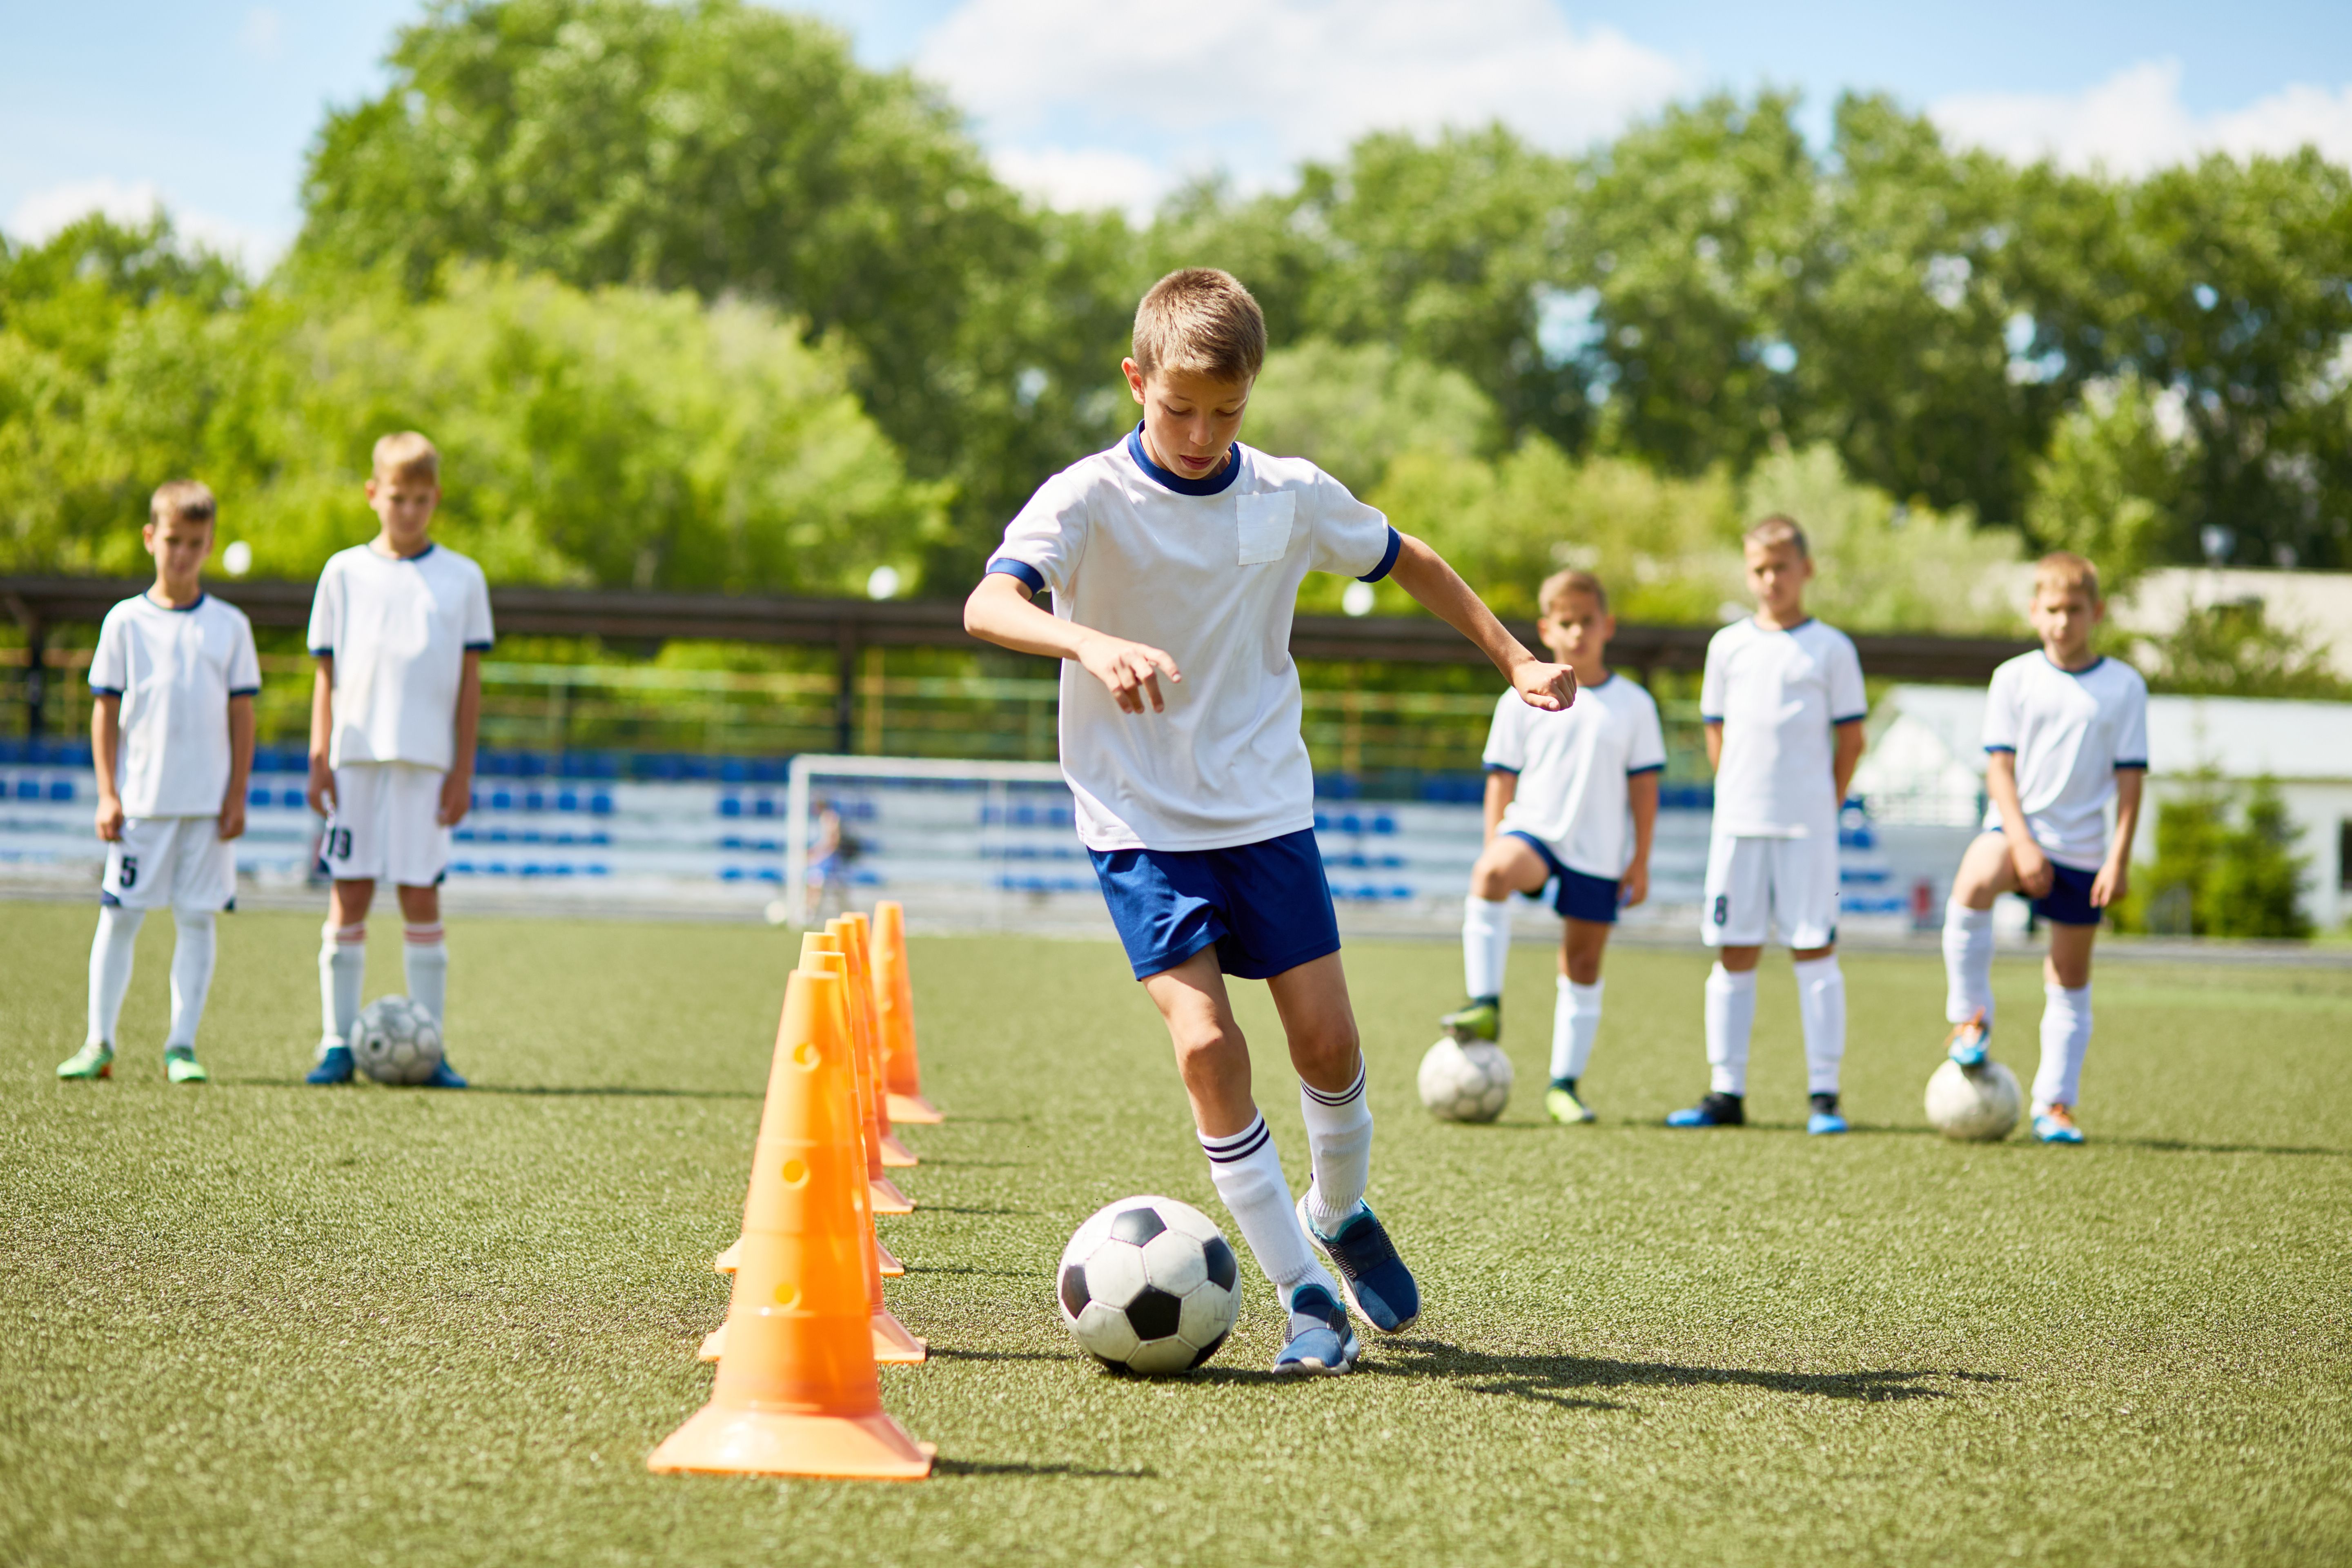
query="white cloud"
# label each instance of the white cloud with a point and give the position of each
(1256, 87)
(2135, 123)
(39, 215)
(1084, 179)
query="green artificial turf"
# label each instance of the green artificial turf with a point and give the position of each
(261, 1323)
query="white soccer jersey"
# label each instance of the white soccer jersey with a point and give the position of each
(1208, 570)
(1573, 765)
(1780, 697)
(2071, 730)
(175, 672)
(399, 631)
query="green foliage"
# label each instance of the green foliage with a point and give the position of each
(2109, 484)
(2213, 876)
(1353, 410)
(2235, 650)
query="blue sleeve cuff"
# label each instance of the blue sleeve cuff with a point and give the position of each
(1388, 557)
(2141, 765)
(322, 653)
(480, 647)
(1501, 768)
(1710, 718)
(1020, 572)
(1850, 719)
(98, 691)
(1653, 768)
(2011, 750)
(244, 691)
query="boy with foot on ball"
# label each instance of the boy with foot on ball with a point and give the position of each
(1174, 560)
(2065, 731)
(173, 679)
(1783, 707)
(399, 628)
(1571, 803)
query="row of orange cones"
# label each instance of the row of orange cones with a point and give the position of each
(798, 1392)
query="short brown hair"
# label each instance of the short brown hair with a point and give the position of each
(1202, 321)
(2062, 569)
(405, 455)
(181, 500)
(1560, 584)
(1776, 529)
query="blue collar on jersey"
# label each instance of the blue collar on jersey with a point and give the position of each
(430, 546)
(2097, 659)
(1215, 484)
(176, 610)
(1801, 625)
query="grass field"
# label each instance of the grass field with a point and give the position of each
(261, 1323)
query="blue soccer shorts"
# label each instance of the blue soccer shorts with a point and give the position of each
(1576, 896)
(1265, 907)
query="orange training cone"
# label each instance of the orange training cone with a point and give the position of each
(894, 1008)
(886, 1197)
(855, 941)
(891, 1267)
(797, 1394)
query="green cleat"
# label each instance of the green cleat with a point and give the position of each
(180, 1065)
(1480, 1018)
(94, 1061)
(1564, 1108)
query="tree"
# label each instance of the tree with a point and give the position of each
(1354, 410)
(2235, 650)
(2213, 877)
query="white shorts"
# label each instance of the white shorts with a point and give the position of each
(1755, 884)
(387, 826)
(177, 861)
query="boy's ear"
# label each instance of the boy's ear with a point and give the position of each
(1134, 374)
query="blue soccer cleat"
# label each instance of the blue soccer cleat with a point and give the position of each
(2056, 1124)
(1970, 1041)
(334, 1066)
(444, 1077)
(1825, 1117)
(1375, 1280)
(1321, 1342)
(1715, 1110)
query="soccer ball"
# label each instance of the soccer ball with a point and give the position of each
(1975, 1104)
(396, 1041)
(1465, 1081)
(1151, 1286)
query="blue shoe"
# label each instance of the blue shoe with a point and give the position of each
(2056, 1125)
(444, 1077)
(1715, 1110)
(1321, 1342)
(1377, 1283)
(1826, 1117)
(1969, 1042)
(334, 1066)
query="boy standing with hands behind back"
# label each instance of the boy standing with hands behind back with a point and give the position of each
(399, 628)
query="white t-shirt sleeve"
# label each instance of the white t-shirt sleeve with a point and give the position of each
(2000, 715)
(326, 612)
(1647, 754)
(109, 671)
(2131, 735)
(1848, 702)
(244, 664)
(1347, 536)
(479, 637)
(1046, 537)
(1507, 739)
(1711, 684)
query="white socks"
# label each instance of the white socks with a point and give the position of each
(1485, 944)
(1339, 1144)
(1248, 1174)
(110, 953)
(1730, 1019)
(1820, 1002)
(191, 974)
(426, 964)
(342, 970)
(1968, 963)
(2065, 1038)
(1575, 1021)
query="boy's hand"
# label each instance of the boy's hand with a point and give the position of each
(2034, 873)
(457, 798)
(110, 816)
(2112, 883)
(322, 786)
(1636, 885)
(1130, 670)
(1550, 686)
(232, 818)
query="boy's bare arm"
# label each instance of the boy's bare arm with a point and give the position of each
(1848, 757)
(1000, 611)
(1502, 788)
(240, 766)
(1641, 795)
(105, 736)
(457, 785)
(2113, 879)
(1423, 574)
(1714, 742)
(2032, 866)
(322, 734)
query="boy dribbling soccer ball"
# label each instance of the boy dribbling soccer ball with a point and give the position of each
(1782, 702)
(173, 679)
(399, 628)
(1194, 794)
(1571, 804)
(2065, 731)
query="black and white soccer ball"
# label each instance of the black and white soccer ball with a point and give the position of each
(396, 1040)
(1978, 1105)
(1151, 1286)
(1465, 1081)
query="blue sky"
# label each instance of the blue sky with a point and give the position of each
(209, 106)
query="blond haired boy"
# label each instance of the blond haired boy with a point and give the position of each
(399, 626)
(173, 679)
(1174, 559)
(2065, 733)
(1571, 803)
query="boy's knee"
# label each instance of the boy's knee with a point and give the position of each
(1489, 879)
(1207, 1047)
(1327, 1054)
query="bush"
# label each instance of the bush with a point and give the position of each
(2215, 877)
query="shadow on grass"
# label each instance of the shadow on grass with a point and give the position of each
(925, 1206)
(1069, 1472)
(947, 1353)
(914, 1269)
(2182, 1146)
(586, 1091)
(1563, 1379)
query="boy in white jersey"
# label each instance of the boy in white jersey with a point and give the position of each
(1562, 791)
(174, 681)
(399, 628)
(2065, 733)
(1195, 799)
(1783, 706)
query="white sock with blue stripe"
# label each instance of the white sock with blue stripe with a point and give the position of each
(1248, 1175)
(1485, 945)
(1340, 1145)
